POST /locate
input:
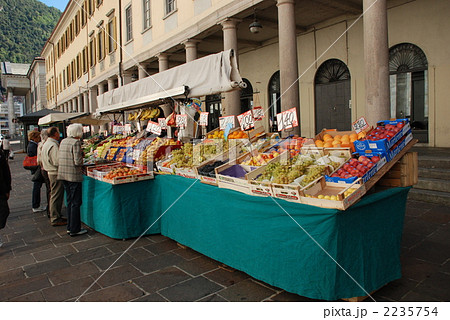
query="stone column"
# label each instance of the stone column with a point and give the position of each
(232, 102)
(92, 99)
(101, 88)
(11, 112)
(288, 58)
(69, 106)
(86, 102)
(126, 77)
(110, 84)
(142, 71)
(79, 103)
(190, 46)
(376, 61)
(74, 105)
(163, 61)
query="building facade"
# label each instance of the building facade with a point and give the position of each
(36, 97)
(333, 60)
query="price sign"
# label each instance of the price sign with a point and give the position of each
(360, 125)
(258, 113)
(246, 120)
(203, 119)
(162, 123)
(153, 127)
(181, 120)
(128, 128)
(287, 119)
(118, 129)
(224, 121)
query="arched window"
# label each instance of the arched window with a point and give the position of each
(246, 96)
(332, 94)
(408, 69)
(274, 100)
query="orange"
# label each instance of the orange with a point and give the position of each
(337, 137)
(327, 136)
(354, 136)
(327, 145)
(319, 143)
(336, 142)
(345, 137)
(328, 139)
(361, 135)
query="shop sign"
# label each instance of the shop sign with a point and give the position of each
(246, 120)
(203, 119)
(287, 119)
(162, 123)
(360, 125)
(224, 122)
(153, 127)
(181, 120)
(258, 113)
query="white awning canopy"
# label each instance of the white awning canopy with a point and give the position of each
(209, 75)
(58, 117)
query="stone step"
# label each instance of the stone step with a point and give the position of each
(442, 198)
(434, 162)
(433, 184)
(434, 173)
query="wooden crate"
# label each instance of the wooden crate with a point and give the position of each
(404, 173)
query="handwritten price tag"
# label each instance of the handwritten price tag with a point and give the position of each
(258, 113)
(203, 119)
(162, 123)
(246, 120)
(360, 125)
(224, 121)
(153, 127)
(128, 128)
(287, 119)
(181, 120)
(118, 129)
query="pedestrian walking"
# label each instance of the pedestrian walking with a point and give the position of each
(35, 137)
(5, 188)
(69, 171)
(44, 173)
(49, 159)
(6, 146)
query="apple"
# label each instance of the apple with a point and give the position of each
(375, 159)
(370, 165)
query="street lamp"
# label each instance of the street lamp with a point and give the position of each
(255, 26)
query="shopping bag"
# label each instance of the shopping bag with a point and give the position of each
(37, 175)
(30, 163)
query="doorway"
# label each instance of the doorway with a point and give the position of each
(408, 69)
(332, 91)
(274, 100)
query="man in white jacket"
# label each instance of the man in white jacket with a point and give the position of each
(49, 160)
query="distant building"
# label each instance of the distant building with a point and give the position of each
(321, 57)
(36, 97)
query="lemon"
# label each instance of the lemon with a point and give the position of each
(327, 198)
(320, 196)
(333, 198)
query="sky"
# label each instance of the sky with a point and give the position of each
(59, 4)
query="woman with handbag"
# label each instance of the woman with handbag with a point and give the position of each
(35, 138)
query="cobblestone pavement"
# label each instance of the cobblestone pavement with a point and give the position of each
(39, 262)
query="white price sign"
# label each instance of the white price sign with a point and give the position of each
(246, 120)
(128, 128)
(181, 120)
(360, 125)
(118, 129)
(224, 121)
(162, 123)
(287, 119)
(203, 119)
(153, 127)
(258, 113)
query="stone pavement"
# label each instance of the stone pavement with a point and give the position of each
(39, 262)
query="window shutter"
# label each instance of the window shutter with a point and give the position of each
(115, 32)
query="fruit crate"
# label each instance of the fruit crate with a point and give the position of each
(119, 180)
(226, 157)
(186, 172)
(404, 173)
(397, 147)
(331, 189)
(383, 145)
(161, 169)
(144, 176)
(97, 172)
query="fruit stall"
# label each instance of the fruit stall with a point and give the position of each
(276, 208)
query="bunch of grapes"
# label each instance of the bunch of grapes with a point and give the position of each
(312, 173)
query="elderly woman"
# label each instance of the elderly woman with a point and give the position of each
(70, 159)
(32, 149)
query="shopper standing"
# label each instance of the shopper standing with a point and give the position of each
(6, 146)
(69, 171)
(44, 173)
(5, 188)
(35, 138)
(49, 155)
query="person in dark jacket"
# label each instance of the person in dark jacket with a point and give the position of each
(5, 188)
(35, 138)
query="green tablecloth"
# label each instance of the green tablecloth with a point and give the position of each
(121, 211)
(287, 245)
(260, 237)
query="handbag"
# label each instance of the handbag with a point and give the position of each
(30, 163)
(37, 175)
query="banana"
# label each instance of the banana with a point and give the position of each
(158, 112)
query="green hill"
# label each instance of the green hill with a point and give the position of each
(25, 25)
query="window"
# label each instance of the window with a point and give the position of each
(128, 24)
(85, 59)
(78, 64)
(92, 60)
(111, 34)
(91, 7)
(74, 71)
(170, 6)
(101, 44)
(146, 7)
(99, 2)
(77, 23)
(83, 14)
